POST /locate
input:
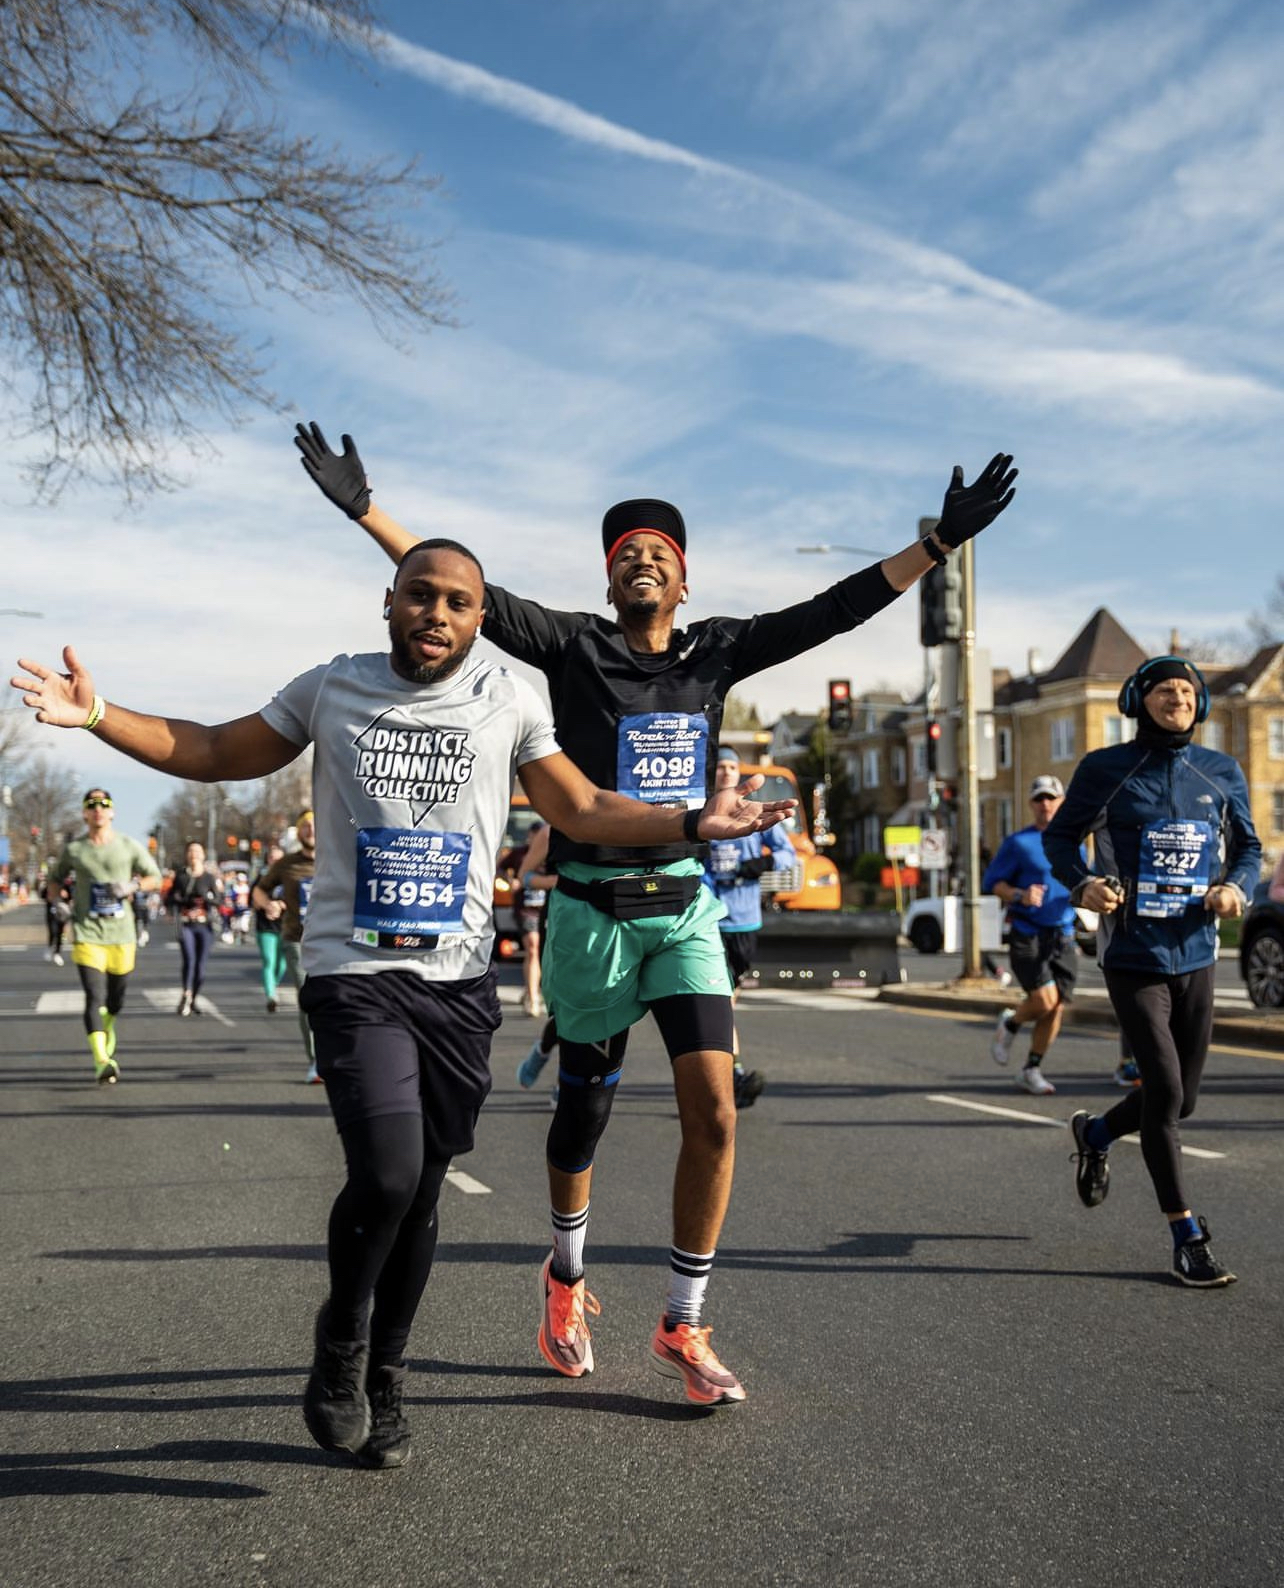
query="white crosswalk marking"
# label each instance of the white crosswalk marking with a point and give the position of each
(159, 1000)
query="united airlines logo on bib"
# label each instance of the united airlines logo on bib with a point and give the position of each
(661, 758)
(423, 766)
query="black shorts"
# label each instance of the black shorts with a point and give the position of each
(739, 947)
(1046, 958)
(393, 1043)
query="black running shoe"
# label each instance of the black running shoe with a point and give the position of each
(749, 1086)
(1194, 1263)
(389, 1441)
(335, 1407)
(1092, 1173)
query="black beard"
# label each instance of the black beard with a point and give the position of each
(640, 606)
(403, 662)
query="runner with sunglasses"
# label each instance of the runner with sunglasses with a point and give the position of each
(1041, 945)
(109, 868)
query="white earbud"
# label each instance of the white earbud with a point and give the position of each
(387, 612)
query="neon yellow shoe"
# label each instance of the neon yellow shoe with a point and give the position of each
(106, 1070)
(109, 1030)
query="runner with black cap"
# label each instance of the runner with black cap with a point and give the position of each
(109, 868)
(1041, 945)
(416, 749)
(1175, 852)
(638, 703)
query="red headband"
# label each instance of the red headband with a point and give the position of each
(641, 529)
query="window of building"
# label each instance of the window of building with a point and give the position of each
(1213, 736)
(1003, 747)
(1119, 730)
(1005, 818)
(1061, 733)
(869, 769)
(898, 764)
(920, 759)
(1275, 738)
(873, 826)
(1277, 810)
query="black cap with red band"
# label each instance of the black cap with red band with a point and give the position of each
(643, 515)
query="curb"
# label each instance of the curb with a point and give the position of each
(1243, 1030)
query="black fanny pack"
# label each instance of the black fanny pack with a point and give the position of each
(636, 896)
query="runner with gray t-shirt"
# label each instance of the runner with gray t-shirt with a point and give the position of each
(415, 755)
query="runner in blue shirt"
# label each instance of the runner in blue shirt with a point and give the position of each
(1041, 946)
(732, 868)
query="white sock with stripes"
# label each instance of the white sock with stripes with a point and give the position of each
(688, 1279)
(568, 1244)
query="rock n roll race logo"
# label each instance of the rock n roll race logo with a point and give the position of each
(423, 766)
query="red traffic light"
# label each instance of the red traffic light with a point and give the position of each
(934, 729)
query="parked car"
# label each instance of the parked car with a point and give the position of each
(1261, 950)
(936, 924)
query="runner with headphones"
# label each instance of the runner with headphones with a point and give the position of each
(1175, 853)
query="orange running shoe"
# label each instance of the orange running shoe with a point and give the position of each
(684, 1352)
(563, 1334)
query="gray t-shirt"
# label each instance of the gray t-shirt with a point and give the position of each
(410, 787)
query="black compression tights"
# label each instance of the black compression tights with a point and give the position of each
(102, 991)
(1168, 1021)
(383, 1232)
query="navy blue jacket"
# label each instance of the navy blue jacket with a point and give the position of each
(1119, 795)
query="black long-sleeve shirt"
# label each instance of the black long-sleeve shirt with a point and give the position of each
(648, 725)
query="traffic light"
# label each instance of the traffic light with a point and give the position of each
(153, 842)
(941, 610)
(233, 842)
(840, 705)
(35, 835)
(933, 745)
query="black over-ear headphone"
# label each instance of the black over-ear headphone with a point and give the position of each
(1130, 696)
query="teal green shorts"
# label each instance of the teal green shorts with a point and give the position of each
(600, 975)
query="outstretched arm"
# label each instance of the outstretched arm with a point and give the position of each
(227, 751)
(342, 478)
(561, 793)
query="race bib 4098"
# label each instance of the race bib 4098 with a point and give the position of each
(661, 757)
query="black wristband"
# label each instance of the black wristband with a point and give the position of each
(933, 551)
(690, 824)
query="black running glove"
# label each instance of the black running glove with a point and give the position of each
(342, 479)
(969, 508)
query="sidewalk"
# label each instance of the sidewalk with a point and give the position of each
(1261, 1029)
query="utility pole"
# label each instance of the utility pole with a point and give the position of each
(969, 805)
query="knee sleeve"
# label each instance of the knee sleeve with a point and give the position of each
(586, 1081)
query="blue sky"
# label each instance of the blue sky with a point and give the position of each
(783, 265)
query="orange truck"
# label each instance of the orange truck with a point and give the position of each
(813, 884)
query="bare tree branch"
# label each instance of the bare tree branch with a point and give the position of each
(134, 228)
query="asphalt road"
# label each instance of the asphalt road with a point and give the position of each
(956, 1374)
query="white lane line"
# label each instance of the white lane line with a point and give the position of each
(14, 948)
(1042, 1119)
(465, 1183)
